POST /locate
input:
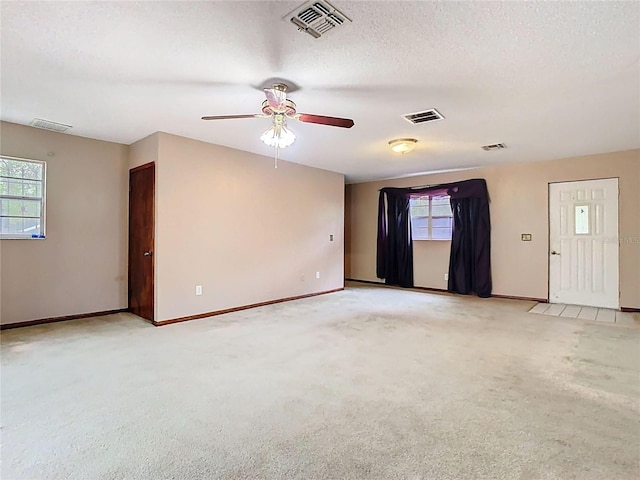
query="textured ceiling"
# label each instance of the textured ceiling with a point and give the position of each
(549, 79)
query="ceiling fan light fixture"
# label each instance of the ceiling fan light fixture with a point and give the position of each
(403, 145)
(278, 136)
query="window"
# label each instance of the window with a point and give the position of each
(431, 218)
(22, 195)
(582, 219)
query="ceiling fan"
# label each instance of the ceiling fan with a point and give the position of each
(280, 109)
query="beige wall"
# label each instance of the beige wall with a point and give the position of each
(225, 219)
(519, 204)
(81, 266)
(245, 231)
(144, 151)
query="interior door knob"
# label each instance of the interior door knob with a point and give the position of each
(553, 252)
(148, 254)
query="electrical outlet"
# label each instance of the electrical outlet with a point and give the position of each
(317, 274)
(198, 289)
(331, 238)
(446, 276)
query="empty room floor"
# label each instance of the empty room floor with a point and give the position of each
(367, 383)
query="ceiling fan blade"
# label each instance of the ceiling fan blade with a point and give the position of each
(227, 117)
(322, 120)
(277, 99)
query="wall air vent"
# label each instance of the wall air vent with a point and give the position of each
(422, 117)
(48, 125)
(493, 146)
(316, 17)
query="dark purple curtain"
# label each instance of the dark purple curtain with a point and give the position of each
(381, 252)
(470, 258)
(395, 253)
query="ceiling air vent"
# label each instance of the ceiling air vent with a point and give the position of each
(316, 18)
(422, 117)
(48, 125)
(494, 146)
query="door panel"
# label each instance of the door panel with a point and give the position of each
(583, 243)
(141, 240)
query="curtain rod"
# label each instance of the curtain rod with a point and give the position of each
(410, 188)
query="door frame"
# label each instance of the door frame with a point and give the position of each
(549, 230)
(153, 238)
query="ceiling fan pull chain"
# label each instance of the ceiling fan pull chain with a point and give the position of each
(277, 154)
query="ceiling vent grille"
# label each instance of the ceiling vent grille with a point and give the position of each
(48, 125)
(316, 17)
(493, 146)
(423, 117)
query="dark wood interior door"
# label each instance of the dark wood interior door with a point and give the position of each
(141, 239)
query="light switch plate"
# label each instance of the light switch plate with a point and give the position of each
(526, 237)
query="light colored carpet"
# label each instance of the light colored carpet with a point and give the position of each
(369, 383)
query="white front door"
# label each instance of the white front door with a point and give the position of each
(583, 243)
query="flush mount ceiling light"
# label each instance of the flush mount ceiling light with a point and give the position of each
(403, 145)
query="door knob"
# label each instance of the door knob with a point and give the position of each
(148, 254)
(553, 252)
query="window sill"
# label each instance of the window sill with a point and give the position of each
(431, 239)
(21, 238)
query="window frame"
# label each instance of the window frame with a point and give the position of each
(429, 218)
(42, 198)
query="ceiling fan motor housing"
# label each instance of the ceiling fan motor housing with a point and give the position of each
(289, 108)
